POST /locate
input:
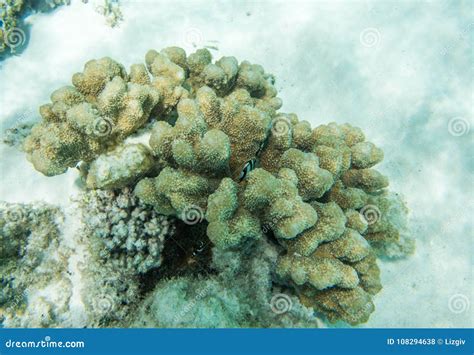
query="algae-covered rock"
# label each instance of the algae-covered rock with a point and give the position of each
(32, 260)
(120, 167)
(108, 293)
(210, 302)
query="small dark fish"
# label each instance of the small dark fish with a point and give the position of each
(248, 167)
(199, 249)
(262, 145)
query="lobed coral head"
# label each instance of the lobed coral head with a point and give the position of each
(220, 148)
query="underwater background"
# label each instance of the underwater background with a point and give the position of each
(401, 71)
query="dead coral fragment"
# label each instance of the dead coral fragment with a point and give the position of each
(121, 167)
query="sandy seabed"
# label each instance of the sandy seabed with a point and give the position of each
(402, 71)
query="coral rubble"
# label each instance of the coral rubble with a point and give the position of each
(32, 260)
(110, 9)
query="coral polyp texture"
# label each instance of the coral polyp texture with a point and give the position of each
(123, 231)
(104, 106)
(215, 151)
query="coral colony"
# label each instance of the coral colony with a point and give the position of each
(203, 206)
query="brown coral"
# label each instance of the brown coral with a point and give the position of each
(104, 106)
(222, 150)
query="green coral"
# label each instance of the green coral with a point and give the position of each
(220, 151)
(104, 106)
(229, 223)
(307, 180)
